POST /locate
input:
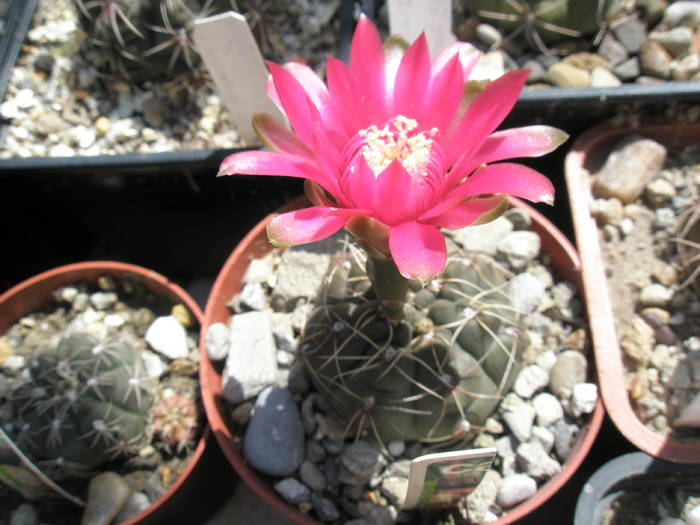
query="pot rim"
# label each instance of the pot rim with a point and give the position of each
(35, 292)
(584, 152)
(567, 263)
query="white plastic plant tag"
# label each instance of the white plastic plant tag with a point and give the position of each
(409, 18)
(440, 480)
(237, 67)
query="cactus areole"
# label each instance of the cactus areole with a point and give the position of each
(392, 152)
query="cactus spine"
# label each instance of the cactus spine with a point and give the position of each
(400, 362)
(87, 402)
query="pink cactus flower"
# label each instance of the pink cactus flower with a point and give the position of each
(390, 153)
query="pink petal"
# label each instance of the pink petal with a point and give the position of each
(341, 90)
(358, 184)
(272, 163)
(271, 91)
(318, 93)
(412, 78)
(392, 194)
(294, 100)
(302, 226)
(418, 250)
(484, 115)
(528, 141)
(367, 67)
(468, 56)
(277, 137)
(476, 211)
(511, 179)
(442, 99)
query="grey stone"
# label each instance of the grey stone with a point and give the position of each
(324, 507)
(655, 295)
(675, 41)
(566, 75)
(154, 365)
(526, 292)
(167, 336)
(103, 300)
(490, 66)
(544, 437)
(538, 73)
(479, 501)
(107, 494)
(514, 489)
(519, 248)
(536, 463)
(315, 451)
(301, 271)
(251, 365)
(520, 218)
(217, 341)
(489, 35)
(396, 448)
(628, 70)
(260, 271)
(631, 34)
(570, 369)
(602, 77)
(394, 488)
(252, 296)
(137, 503)
(293, 491)
(312, 476)
(612, 50)
(658, 192)
(684, 68)
(639, 158)
(583, 399)
(565, 305)
(283, 332)
(637, 341)
(548, 409)
(360, 461)
(505, 448)
(274, 439)
(531, 379)
(483, 238)
(518, 415)
(682, 13)
(564, 434)
(655, 60)
(24, 514)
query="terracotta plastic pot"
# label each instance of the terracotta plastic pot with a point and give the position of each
(255, 244)
(586, 156)
(189, 489)
(635, 471)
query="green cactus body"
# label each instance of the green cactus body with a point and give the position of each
(434, 375)
(87, 402)
(553, 19)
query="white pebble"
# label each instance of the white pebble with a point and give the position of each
(583, 398)
(692, 517)
(167, 336)
(514, 489)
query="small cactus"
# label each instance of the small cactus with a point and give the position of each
(546, 21)
(689, 244)
(175, 420)
(87, 402)
(434, 375)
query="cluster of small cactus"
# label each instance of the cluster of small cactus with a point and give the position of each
(546, 21)
(434, 372)
(175, 420)
(146, 39)
(87, 402)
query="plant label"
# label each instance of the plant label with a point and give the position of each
(440, 480)
(237, 68)
(409, 18)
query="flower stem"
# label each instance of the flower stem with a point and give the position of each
(390, 286)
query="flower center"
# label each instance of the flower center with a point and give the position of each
(397, 140)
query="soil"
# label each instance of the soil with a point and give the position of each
(637, 258)
(650, 507)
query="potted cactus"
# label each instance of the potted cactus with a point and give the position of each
(82, 400)
(638, 372)
(410, 340)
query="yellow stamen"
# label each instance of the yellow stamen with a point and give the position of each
(397, 141)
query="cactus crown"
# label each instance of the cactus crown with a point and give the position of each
(87, 402)
(434, 372)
